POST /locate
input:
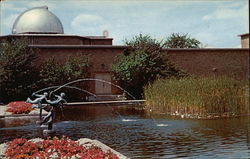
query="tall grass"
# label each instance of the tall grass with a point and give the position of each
(198, 96)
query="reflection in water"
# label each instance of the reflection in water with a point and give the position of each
(137, 135)
(128, 120)
(162, 124)
(248, 134)
(16, 121)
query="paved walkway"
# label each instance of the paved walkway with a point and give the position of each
(3, 110)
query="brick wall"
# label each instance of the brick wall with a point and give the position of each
(101, 58)
(212, 62)
(201, 62)
(55, 39)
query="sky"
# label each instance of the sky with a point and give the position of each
(216, 23)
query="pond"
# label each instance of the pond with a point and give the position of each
(129, 130)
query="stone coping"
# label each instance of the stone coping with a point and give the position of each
(107, 102)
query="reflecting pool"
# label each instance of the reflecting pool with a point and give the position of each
(134, 133)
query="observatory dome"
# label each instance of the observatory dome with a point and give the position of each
(37, 20)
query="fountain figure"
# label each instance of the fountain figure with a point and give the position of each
(38, 101)
(57, 101)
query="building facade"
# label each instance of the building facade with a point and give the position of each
(45, 32)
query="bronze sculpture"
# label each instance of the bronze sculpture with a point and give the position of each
(52, 103)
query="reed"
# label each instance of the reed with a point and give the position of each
(198, 97)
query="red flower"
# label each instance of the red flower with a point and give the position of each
(64, 147)
(19, 107)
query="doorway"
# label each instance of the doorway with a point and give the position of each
(101, 87)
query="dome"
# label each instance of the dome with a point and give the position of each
(37, 20)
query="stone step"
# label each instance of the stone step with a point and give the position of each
(106, 98)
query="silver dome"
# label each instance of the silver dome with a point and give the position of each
(37, 20)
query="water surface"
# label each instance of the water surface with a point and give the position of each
(136, 134)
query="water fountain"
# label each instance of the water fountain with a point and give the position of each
(46, 102)
(71, 87)
(94, 79)
(49, 118)
(160, 136)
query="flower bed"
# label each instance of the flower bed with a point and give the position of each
(55, 148)
(19, 107)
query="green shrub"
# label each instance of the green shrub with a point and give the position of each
(17, 77)
(53, 73)
(198, 96)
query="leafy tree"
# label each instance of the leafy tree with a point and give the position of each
(141, 63)
(54, 73)
(51, 73)
(16, 71)
(76, 67)
(177, 40)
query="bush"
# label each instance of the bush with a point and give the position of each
(19, 107)
(214, 96)
(16, 70)
(53, 73)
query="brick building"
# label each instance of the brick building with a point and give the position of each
(45, 31)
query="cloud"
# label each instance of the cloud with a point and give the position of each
(7, 7)
(89, 24)
(223, 14)
(206, 38)
(83, 19)
(229, 11)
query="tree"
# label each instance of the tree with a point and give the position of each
(177, 40)
(141, 63)
(16, 71)
(53, 73)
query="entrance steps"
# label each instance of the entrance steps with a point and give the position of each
(115, 103)
(106, 98)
